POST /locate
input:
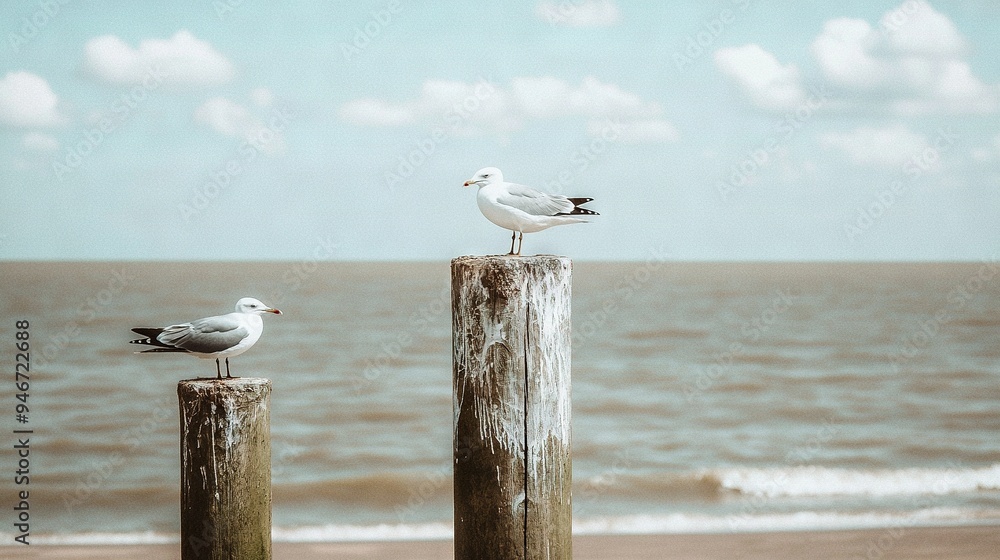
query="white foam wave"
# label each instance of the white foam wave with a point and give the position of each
(643, 524)
(139, 538)
(682, 523)
(353, 533)
(825, 481)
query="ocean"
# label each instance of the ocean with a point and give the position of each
(707, 397)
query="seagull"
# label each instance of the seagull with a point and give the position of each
(216, 337)
(523, 209)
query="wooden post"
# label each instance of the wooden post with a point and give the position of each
(511, 406)
(225, 469)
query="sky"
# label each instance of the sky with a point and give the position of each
(725, 130)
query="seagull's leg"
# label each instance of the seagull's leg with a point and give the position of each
(228, 376)
(513, 235)
(520, 242)
(217, 370)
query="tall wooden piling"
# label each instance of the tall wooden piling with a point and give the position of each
(511, 407)
(225, 469)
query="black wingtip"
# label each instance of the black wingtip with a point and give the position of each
(577, 210)
(150, 334)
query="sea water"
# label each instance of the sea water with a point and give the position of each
(706, 397)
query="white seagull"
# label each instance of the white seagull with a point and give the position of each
(523, 209)
(216, 337)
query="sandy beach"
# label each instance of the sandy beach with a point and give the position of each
(939, 543)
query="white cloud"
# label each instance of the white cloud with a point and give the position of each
(635, 132)
(579, 13)
(914, 27)
(595, 98)
(39, 142)
(373, 112)
(262, 97)
(988, 152)
(911, 66)
(886, 146)
(26, 100)
(182, 60)
(224, 116)
(842, 52)
(232, 119)
(982, 154)
(769, 84)
(486, 108)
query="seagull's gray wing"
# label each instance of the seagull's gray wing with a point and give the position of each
(534, 202)
(212, 334)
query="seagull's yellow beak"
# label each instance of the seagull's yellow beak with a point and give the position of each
(275, 311)
(467, 183)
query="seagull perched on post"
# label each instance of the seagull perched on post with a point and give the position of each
(523, 209)
(216, 337)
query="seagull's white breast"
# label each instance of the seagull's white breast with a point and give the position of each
(255, 327)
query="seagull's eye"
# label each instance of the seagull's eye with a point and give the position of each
(485, 175)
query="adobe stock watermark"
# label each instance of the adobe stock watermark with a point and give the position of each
(30, 26)
(881, 545)
(801, 456)
(283, 454)
(364, 35)
(562, 12)
(101, 471)
(295, 276)
(585, 155)
(898, 17)
(915, 167)
(556, 13)
(88, 311)
(627, 286)
(422, 493)
(918, 337)
(594, 488)
(741, 174)
(704, 39)
(225, 8)
(751, 331)
(123, 108)
(453, 119)
(391, 350)
(256, 141)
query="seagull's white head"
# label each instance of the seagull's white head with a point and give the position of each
(251, 305)
(485, 176)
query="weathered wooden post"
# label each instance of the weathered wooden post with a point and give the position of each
(511, 381)
(225, 469)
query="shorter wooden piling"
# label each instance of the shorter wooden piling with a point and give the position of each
(225, 469)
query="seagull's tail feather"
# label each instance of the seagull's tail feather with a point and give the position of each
(151, 333)
(158, 349)
(577, 210)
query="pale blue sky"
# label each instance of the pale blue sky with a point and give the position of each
(727, 130)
